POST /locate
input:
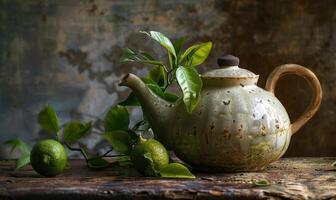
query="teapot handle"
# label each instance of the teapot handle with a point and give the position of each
(314, 83)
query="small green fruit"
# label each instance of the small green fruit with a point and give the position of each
(48, 158)
(158, 153)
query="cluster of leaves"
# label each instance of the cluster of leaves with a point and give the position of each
(171, 170)
(123, 139)
(24, 150)
(72, 132)
(117, 133)
(181, 69)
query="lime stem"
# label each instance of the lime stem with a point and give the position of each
(137, 125)
(141, 139)
(106, 155)
(87, 159)
(79, 150)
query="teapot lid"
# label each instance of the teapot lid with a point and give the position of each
(230, 69)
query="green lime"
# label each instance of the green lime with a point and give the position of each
(48, 158)
(158, 154)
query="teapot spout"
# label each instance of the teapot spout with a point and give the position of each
(155, 109)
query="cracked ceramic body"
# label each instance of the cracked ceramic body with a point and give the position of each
(237, 126)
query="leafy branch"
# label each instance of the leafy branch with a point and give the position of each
(117, 133)
(181, 69)
(116, 130)
(81, 150)
(24, 150)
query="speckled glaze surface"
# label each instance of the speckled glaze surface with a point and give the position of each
(237, 126)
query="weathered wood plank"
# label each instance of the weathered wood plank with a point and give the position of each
(291, 178)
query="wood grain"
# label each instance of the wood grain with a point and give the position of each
(291, 178)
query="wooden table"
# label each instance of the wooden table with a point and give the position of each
(291, 178)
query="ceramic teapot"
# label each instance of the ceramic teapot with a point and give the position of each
(237, 126)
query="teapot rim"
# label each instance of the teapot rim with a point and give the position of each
(233, 71)
(229, 81)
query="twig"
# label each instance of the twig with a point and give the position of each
(106, 153)
(165, 68)
(113, 156)
(164, 89)
(79, 150)
(137, 125)
(170, 79)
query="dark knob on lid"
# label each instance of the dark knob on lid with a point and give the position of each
(228, 60)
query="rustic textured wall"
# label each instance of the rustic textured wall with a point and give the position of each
(65, 53)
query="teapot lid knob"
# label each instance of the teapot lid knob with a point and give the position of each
(228, 60)
(229, 69)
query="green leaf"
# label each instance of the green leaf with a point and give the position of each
(162, 39)
(191, 85)
(147, 80)
(131, 100)
(178, 45)
(196, 54)
(48, 120)
(117, 118)
(97, 163)
(261, 182)
(170, 97)
(176, 170)
(157, 74)
(146, 55)
(129, 56)
(152, 62)
(148, 156)
(19, 144)
(172, 61)
(156, 90)
(121, 141)
(124, 161)
(74, 130)
(24, 160)
(151, 170)
(333, 164)
(132, 56)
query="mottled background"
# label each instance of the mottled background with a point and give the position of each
(65, 52)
